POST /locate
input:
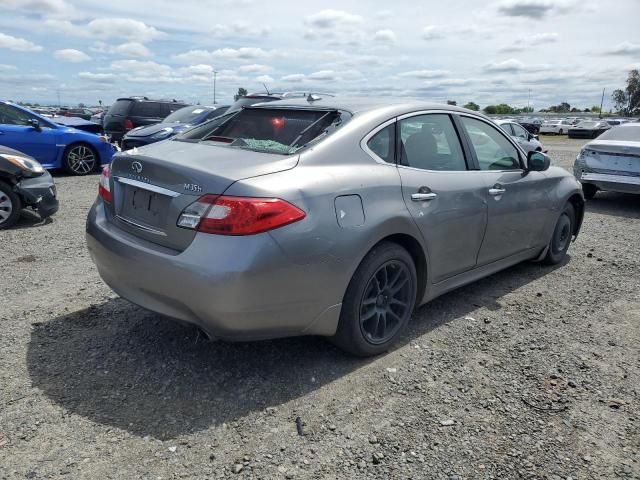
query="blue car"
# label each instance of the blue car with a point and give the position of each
(177, 122)
(51, 144)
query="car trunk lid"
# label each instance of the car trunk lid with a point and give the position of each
(151, 186)
(613, 157)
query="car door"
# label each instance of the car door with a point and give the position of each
(516, 199)
(17, 132)
(447, 202)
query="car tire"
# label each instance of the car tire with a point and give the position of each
(379, 301)
(10, 206)
(589, 190)
(560, 132)
(80, 159)
(561, 238)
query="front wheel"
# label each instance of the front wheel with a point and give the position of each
(80, 159)
(560, 132)
(10, 206)
(379, 301)
(561, 238)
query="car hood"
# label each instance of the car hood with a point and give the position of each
(155, 128)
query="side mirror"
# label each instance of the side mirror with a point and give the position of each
(538, 162)
(35, 123)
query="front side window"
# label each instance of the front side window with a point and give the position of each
(519, 131)
(13, 116)
(493, 150)
(430, 142)
(383, 143)
(507, 128)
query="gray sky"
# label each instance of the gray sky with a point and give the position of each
(463, 50)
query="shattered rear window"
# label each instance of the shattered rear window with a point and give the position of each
(271, 130)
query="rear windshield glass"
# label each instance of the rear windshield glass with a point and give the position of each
(270, 130)
(121, 107)
(185, 115)
(587, 124)
(630, 134)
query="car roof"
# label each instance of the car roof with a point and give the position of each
(361, 104)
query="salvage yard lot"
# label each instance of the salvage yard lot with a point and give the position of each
(530, 373)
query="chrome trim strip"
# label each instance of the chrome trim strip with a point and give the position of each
(141, 227)
(147, 186)
(603, 177)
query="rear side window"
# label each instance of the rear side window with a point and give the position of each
(283, 130)
(493, 150)
(121, 107)
(383, 143)
(147, 109)
(507, 128)
(430, 142)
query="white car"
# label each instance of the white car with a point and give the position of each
(528, 141)
(558, 127)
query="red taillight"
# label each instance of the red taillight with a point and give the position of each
(104, 190)
(128, 124)
(224, 215)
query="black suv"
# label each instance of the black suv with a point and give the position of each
(131, 112)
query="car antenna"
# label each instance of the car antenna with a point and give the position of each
(265, 87)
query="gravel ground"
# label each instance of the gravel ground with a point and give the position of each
(531, 373)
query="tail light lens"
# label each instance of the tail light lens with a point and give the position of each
(104, 189)
(224, 215)
(128, 124)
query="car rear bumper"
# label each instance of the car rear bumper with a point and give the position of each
(39, 193)
(234, 288)
(613, 183)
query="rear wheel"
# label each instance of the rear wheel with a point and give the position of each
(561, 238)
(379, 301)
(561, 132)
(10, 206)
(589, 190)
(80, 159)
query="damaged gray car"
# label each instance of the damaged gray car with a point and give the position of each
(612, 162)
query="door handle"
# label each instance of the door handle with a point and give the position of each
(423, 197)
(494, 192)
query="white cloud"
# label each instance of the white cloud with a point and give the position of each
(18, 44)
(98, 77)
(239, 28)
(385, 36)
(432, 32)
(328, 19)
(511, 65)
(71, 55)
(424, 74)
(6, 68)
(264, 79)
(254, 68)
(530, 42)
(241, 54)
(626, 48)
(323, 75)
(119, 28)
(132, 49)
(294, 78)
(41, 7)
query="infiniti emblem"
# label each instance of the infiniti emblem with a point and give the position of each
(136, 167)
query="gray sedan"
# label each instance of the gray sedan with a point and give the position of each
(325, 216)
(612, 162)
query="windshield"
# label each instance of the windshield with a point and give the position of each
(271, 130)
(630, 134)
(185, 115)
(121, 107)
(587, 124)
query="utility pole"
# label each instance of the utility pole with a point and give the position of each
(215, 74)
(58, 92)
(601, 103)
(528, 100)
